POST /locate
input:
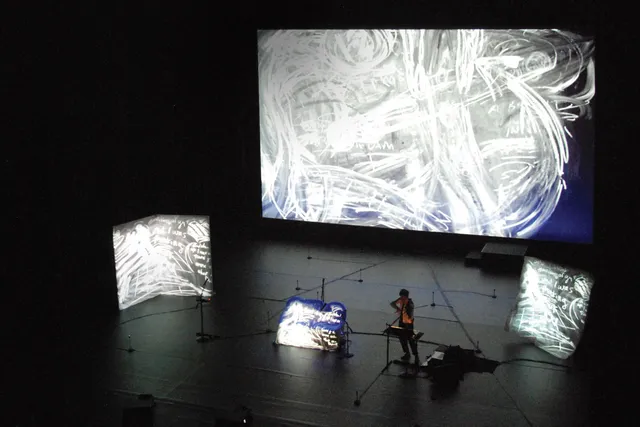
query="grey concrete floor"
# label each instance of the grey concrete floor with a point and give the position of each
(196, 382)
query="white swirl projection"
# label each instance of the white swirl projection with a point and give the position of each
(462, 131)
(552, 306)
(162, 255)
(312, 324)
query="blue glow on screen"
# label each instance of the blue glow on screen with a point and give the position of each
(477, 132)
(311, 324)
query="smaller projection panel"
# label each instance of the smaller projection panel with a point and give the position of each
(312, 324)
(552, 306)
(161, 255)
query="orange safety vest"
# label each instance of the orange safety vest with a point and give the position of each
(406, 319)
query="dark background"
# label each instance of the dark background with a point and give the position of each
(131, 111)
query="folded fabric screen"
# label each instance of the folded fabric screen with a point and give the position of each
(161, 255)
(552, 306)
(312, 324)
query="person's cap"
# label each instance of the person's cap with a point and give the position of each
(404, 293)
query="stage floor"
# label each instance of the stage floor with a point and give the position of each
(291, 386)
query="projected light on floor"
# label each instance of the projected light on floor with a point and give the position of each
(161, 255)
(462, 131)
(312, 324)
(552, 306)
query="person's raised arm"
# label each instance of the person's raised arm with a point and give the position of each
(394, 304)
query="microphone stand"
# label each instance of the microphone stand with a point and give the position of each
(202, 336)
(388, 332)
(360, 396)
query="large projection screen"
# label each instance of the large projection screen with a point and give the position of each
(162, 255)
(480, 132)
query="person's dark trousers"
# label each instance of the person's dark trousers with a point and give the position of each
(405, 343)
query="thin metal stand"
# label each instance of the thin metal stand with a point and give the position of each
(346, 354)
(359, 396)
(386, 367)
(387, 333)
(202, 336)
(268, 330)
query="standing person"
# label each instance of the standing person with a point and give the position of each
(404, 307)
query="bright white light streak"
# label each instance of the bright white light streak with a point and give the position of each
(378, 112)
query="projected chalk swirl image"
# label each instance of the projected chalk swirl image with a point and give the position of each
(459, 131)
(311, 324)
(161, 255)
(552, 306)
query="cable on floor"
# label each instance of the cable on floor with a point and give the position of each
(155, 314)
(448, 304)
(506, 362)
(380, 334)
(513, 400)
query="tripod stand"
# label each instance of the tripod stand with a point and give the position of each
(202, 336)
(387, 332)
(345, 352)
